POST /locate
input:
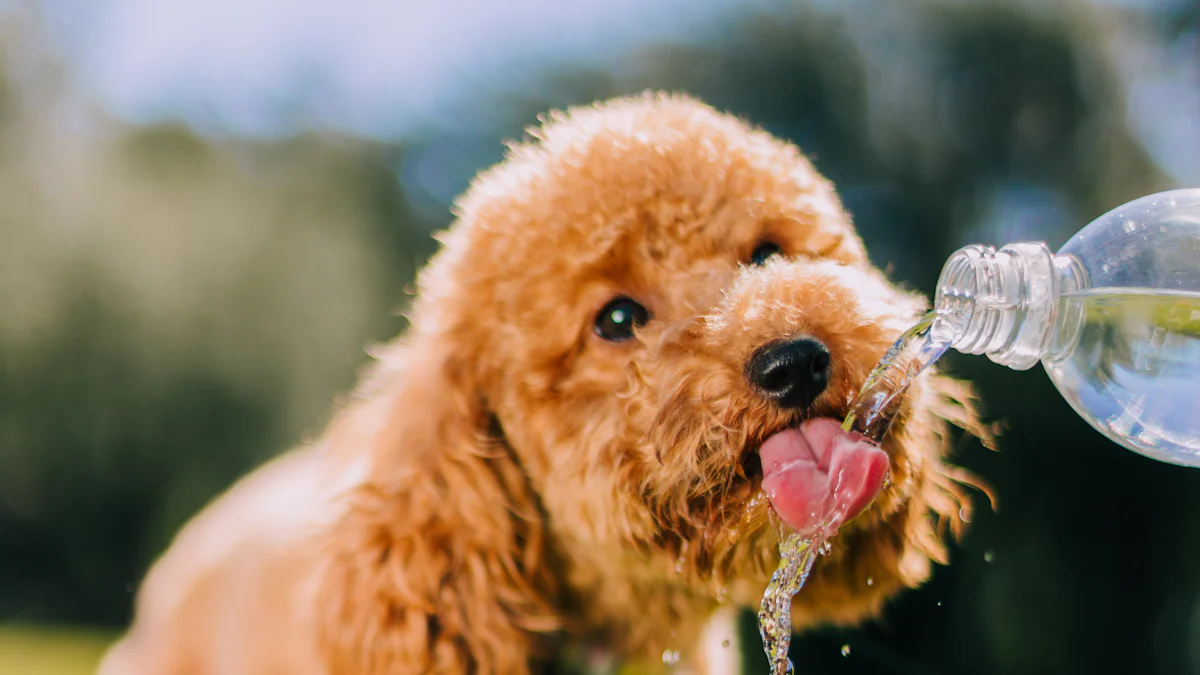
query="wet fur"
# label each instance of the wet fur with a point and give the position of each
(506, 483)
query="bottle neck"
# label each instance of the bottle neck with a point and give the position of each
(1005, 303)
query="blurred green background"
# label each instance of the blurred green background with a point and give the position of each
(208, 210)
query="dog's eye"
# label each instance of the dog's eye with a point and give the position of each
(764, 252)
(617, 320)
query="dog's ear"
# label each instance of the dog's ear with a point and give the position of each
(438, 560)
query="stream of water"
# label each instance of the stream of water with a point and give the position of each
(871, 415)
(797, 555)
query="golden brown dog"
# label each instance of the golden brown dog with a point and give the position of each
(562, 448)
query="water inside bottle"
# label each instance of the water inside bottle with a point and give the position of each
(1134, 371)
(871, 415)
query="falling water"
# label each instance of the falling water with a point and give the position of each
(872, 414)
(797, 556)
(881, 395)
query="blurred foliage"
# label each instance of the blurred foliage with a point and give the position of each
(177, 309)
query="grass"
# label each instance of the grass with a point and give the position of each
(29, 650)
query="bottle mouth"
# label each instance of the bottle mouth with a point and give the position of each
(957, 288)
(998, 302)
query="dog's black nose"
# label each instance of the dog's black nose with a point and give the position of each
(793, 374)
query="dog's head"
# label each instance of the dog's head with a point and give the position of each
(616, 297)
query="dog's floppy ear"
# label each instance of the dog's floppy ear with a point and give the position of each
(437, 562)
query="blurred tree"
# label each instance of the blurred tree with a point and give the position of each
(176, 310)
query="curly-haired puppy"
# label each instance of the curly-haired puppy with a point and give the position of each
(562, 450)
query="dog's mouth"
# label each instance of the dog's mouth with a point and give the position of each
(750, 461)
(751, 466)
(749, 473)
(817, 476)
(795, 474)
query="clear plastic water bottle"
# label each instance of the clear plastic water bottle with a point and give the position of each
(1114, 317)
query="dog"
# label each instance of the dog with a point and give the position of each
(560, 455)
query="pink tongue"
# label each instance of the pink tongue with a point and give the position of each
(819, 477)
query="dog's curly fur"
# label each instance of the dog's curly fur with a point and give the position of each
(506, 481)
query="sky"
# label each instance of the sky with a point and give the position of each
(373, 67)
(388, 68)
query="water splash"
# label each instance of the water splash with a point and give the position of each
(871, 415)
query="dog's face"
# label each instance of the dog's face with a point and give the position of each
(630, 284)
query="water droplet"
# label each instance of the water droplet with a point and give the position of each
(845, 650)
(671, 657)
(722, 594)
(988, 556)
(870, 581)
(826, 547)
(939, 603)
(725, 644)
(679, 566)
